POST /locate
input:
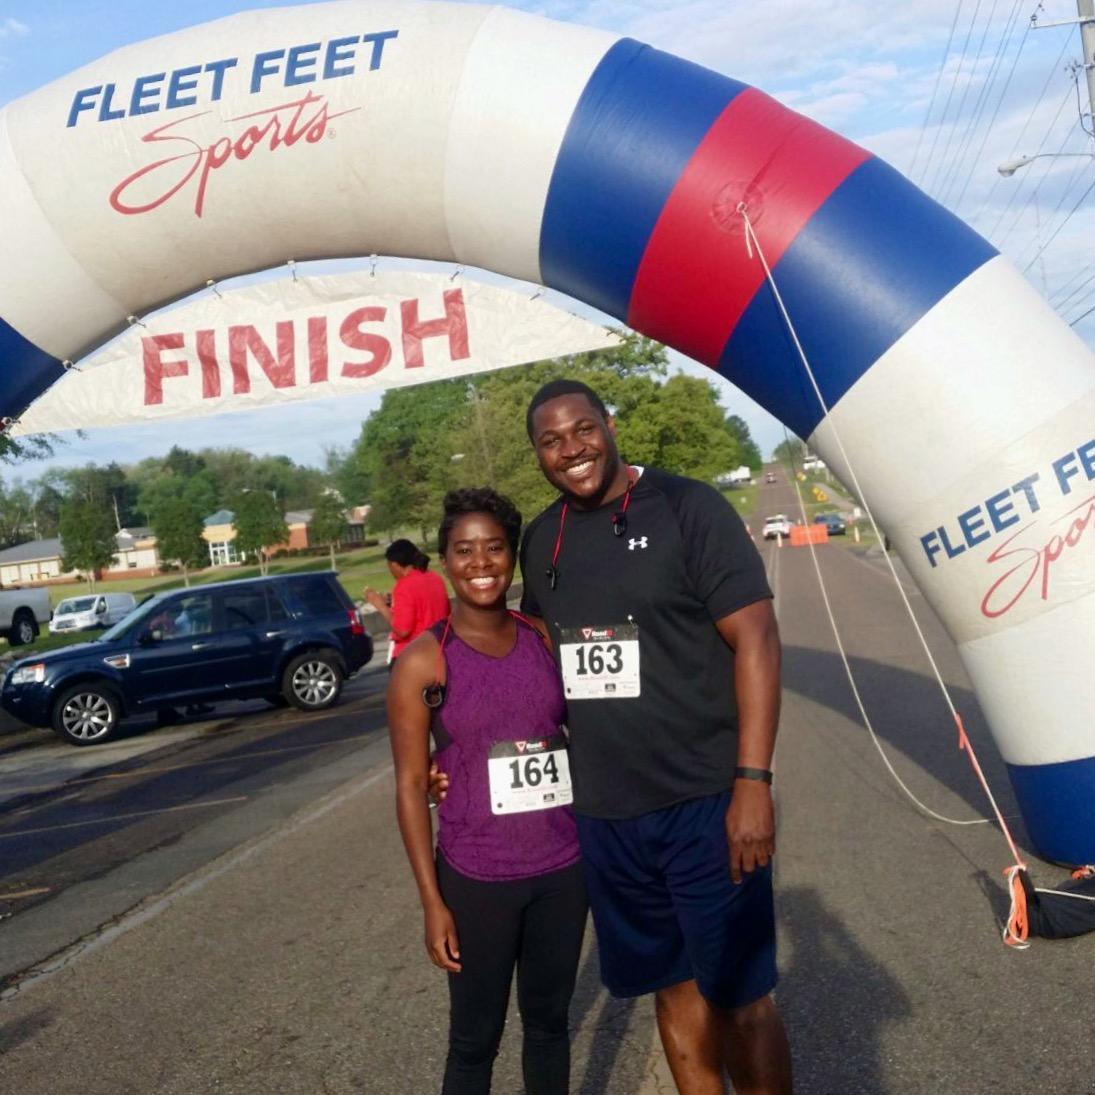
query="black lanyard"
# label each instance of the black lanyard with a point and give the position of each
(619, 528)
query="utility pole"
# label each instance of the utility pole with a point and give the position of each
(1085, 12)
(1085, 9)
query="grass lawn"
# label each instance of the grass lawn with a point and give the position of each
(743, 498)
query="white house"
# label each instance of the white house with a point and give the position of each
(39, 561)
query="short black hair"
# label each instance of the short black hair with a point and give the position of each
(406, 554)
(479, 500)
(553, 389)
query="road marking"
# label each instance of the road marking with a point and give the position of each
(123, 817)
(25, 893)
(771, 571)
(148, 910)
(78, 783)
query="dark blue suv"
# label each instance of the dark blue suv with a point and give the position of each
(292, 638)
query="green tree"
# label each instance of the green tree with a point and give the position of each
(404, 451)
(15, 450)
(87, 536)
(329, 522)
(163, 487)
(739, 430)
(16, 515)
(490, 431)
(682, 429)
(346, 475)
(259, 524)
(790, 452)
(46, 514)
(178, 527)
(106, 486)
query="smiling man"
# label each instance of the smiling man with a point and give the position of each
(661, 618)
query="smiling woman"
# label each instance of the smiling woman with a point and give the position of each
(684, 203)
(505, 891)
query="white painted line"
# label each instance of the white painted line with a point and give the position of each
(25, 893)
(140, 773)
(151, 908)
(772, 573)
(123, 817)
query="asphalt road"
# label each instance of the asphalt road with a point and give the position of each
(265, 934)
(86, 833)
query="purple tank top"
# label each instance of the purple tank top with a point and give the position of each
(488, 701)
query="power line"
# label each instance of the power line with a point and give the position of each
(1083, 317)
(935, 90)
(1026, 126)
(954, 85)
(992, 121)
(1077, 174)
(1025, 181)
(1061, 302)
(952, 171)
(1057, 231)
(1081, 305)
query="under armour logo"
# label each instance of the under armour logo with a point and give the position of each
(632, 544)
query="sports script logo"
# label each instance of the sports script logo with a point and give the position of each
(1030, 565)
(187, 166)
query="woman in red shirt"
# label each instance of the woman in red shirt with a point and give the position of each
(418, 600)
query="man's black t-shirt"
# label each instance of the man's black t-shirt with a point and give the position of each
(684, 562)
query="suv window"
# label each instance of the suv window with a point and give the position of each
(316, 596)
(278, 611)
(244, 607)
(190, 614)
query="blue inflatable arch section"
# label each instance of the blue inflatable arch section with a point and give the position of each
(622, 176)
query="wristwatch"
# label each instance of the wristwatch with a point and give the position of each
(761, 775)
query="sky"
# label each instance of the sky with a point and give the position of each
(945, 90)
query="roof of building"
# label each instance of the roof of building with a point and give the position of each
(221, 517)
(299, 516)
(32, 551)
(128, 537)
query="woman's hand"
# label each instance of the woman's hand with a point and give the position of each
(441, 943)
(377, 600)
(439, 784)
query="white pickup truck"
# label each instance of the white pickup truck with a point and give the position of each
(22, 613)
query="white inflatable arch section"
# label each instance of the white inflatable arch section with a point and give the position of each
(620, 175)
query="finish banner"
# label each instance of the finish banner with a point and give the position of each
(277, 342)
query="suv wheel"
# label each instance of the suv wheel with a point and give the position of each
(312, 681)
(86, 714)
(24, 629)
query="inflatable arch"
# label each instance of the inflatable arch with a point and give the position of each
(617, 174)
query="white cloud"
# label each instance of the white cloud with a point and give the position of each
(12, 28)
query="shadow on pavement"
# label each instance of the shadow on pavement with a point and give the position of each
(593, 1008)
(835, 999)
(909, 715)
(21, 1030)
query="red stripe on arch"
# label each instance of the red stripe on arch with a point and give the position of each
(696, 277)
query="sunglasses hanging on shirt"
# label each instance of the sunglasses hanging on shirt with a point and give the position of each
(619, 528)
(433, 695)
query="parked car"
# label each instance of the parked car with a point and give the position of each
(777, 525)
(291, 638)
(95, 610)
(833, 522)
(22, 612)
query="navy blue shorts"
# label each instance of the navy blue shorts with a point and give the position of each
(667, 911)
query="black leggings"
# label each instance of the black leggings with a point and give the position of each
(535, 924)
